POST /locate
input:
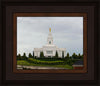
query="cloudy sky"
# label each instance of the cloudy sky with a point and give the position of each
(32, 32)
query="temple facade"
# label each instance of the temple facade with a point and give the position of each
(50, 49)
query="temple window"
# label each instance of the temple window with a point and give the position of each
(49, 52)
(49, 42)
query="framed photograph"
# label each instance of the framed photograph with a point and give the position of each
(70, 32)
(49, 43)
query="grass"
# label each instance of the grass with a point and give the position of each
(26, 63)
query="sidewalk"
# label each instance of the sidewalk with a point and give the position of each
(37, 67)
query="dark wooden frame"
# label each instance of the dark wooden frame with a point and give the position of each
(67, 78)
(84, 15)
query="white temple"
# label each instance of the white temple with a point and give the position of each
(50, 49)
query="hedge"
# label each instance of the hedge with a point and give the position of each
(31, 60)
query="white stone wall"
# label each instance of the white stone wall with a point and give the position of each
(49, 48)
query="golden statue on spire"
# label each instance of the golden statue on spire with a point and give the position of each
(49, 29)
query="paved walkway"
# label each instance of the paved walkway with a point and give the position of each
(37, 67)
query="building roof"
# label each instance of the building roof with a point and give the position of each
(78, 62)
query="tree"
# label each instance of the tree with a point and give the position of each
(79, 56)
(24, 56)
(33, 54)
(62, 54)
(56, 55)
(67, 57)
(41, 55)
(74, 56)
(30, 55)
(19, 57)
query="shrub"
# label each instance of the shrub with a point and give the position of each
(31, 60)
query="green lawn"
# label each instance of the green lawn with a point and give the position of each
(27, 63)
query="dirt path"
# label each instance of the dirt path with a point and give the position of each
(37, 67)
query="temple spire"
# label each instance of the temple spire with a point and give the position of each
(49, 29)
(50, 38)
